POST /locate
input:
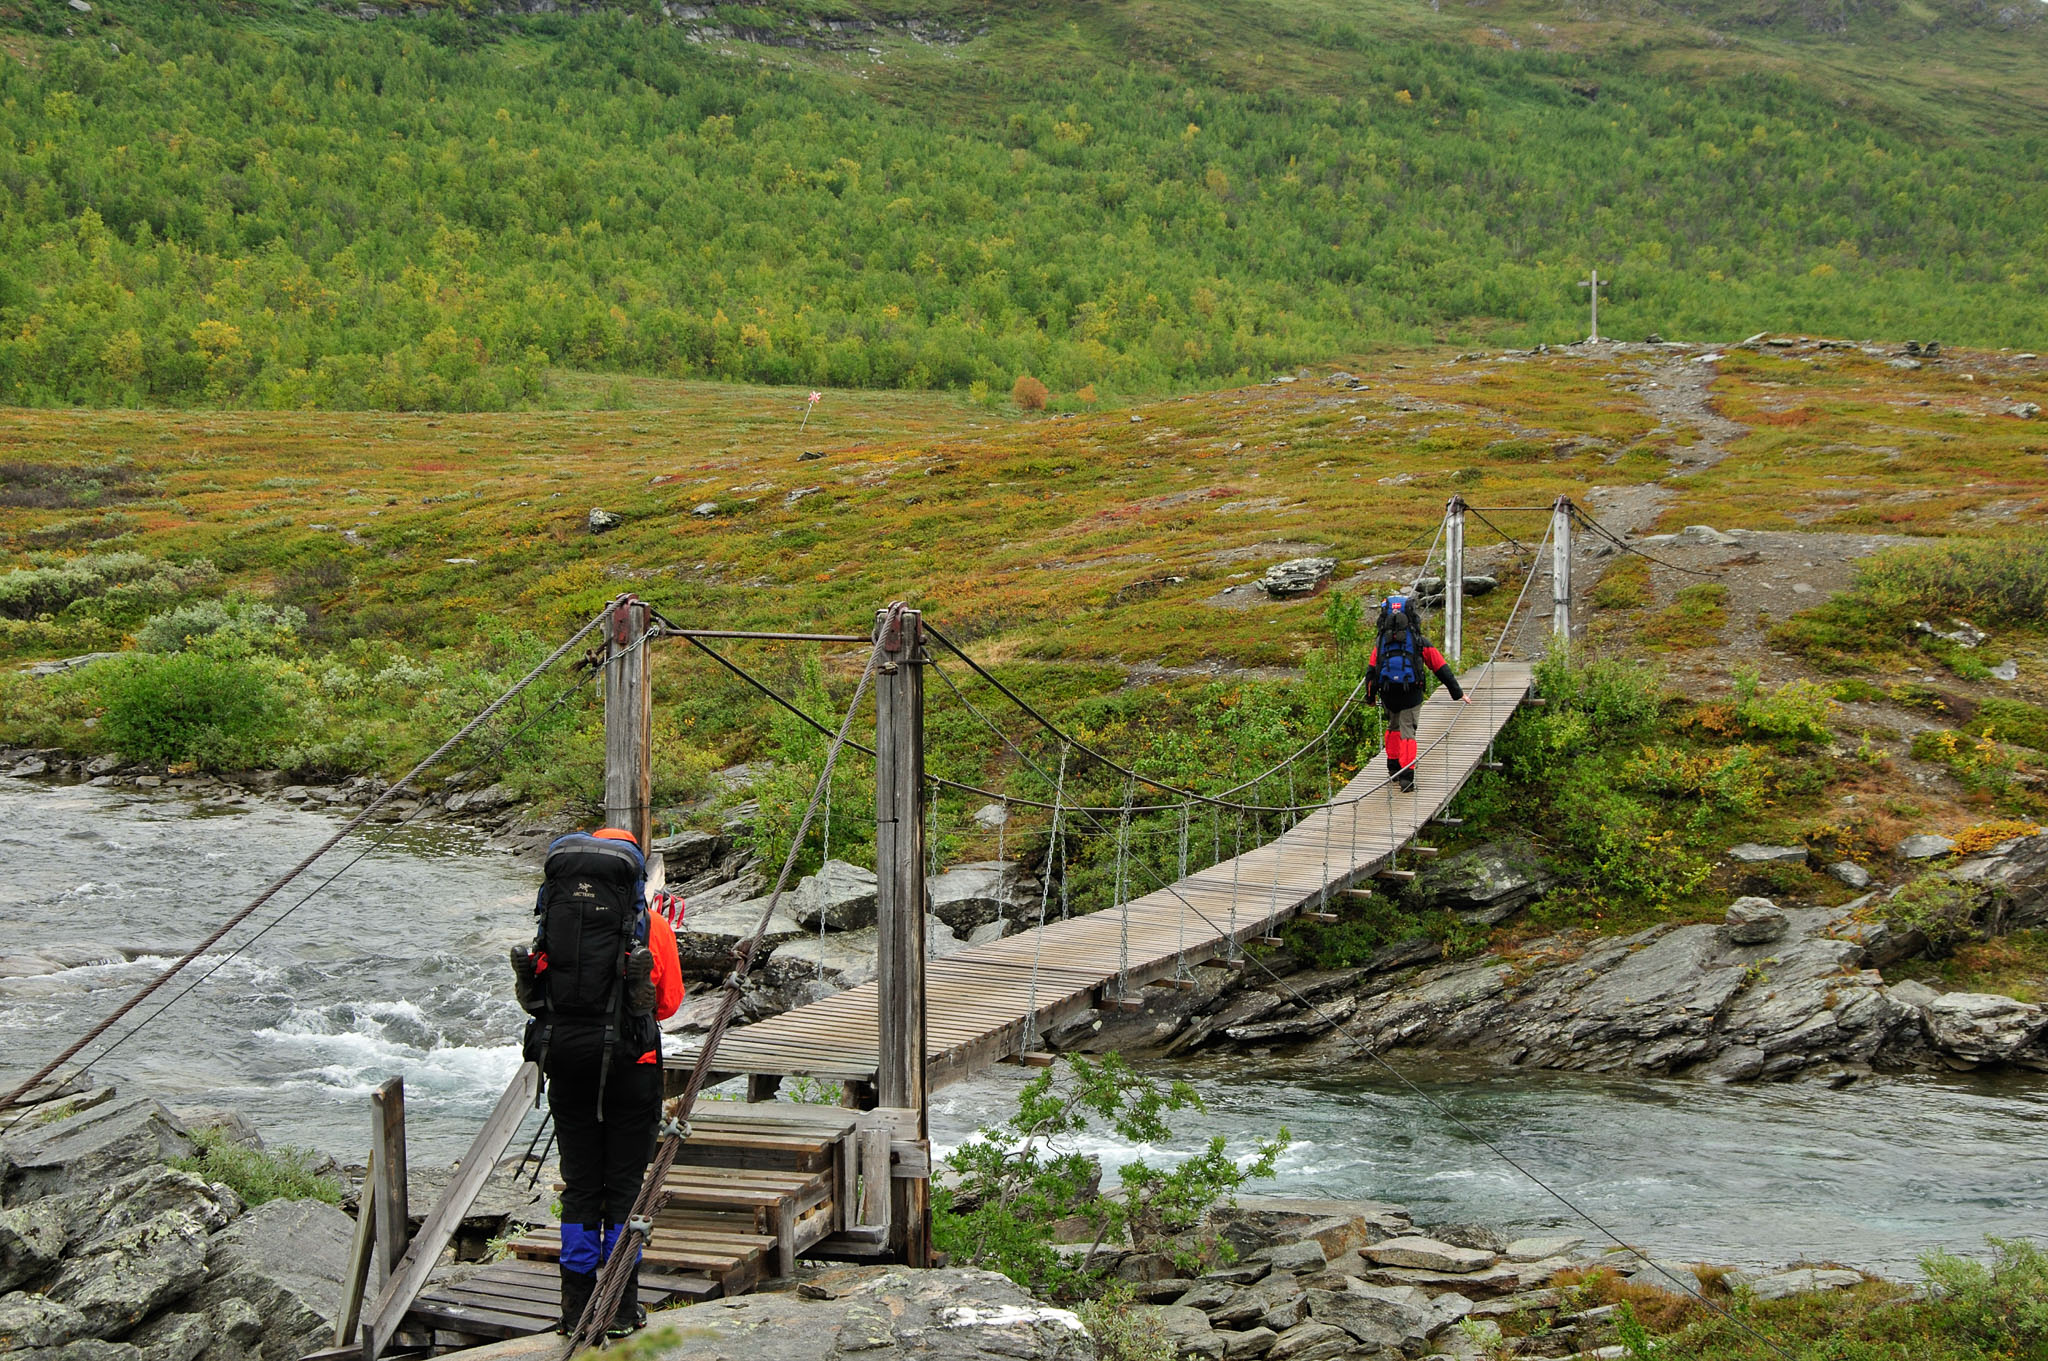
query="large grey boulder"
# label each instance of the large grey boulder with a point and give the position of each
(92, 1148)
(972, 895)
(1486, 884)
(31, 1321)
(1298, 576)
(1750, 853)
(710, 935)
(1851, 873)
(1754, 921)
(130, 1273)
(690, 852)
(1925, 846)
(172, 1337)
(1377, 1316)
(1189, 1331)
(844, 959)
(1982, 1027)
(840, 894)
(952, 1314)
(32, 1237)
(1781, 1285)
(1429, 1254)
(2016, 872)
(284, 1260)
(1311, 1341)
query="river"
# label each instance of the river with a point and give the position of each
(397, 967)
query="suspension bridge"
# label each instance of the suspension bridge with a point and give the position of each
(742, 1190)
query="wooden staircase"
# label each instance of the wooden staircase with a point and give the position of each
(755, 1187)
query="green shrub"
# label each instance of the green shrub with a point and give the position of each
(30, 591)
(1017, 1178)
(1979, 763)
(2003, 1305)
(2011, 720)
(1987, 580)
(1122, 1331)
(253, 622)
(1796, 711)
(190, 706)
(1942, 910)
(257, 1175)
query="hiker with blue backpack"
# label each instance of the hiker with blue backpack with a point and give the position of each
(602, 973)
(1401, 656)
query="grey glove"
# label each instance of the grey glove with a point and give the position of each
(640, 980)
(526, 980)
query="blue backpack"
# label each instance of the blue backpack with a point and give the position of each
(1399, 644)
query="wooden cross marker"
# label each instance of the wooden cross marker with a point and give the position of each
(1593, 282)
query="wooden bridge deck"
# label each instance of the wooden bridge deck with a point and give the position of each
(977, 999)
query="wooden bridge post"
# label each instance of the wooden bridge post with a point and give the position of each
(900, 907)
(1454, 580)
(1561, 569)
(629, 720)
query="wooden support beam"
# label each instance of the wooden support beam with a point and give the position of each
(1443, 820)
(628, 720)
(1326, 918)
(1358, 893)
(900, 1078)
(1403, 875)
(361, 1249)
(1037, 1058)
(1268, 941)
(387, 1120)
(1426, 850)
(410, 1276)
(763, 1086)
(1179, 984)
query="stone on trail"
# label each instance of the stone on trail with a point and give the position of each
(840, 895)
(1851, 873)
(991, 816)
(1707, 534)
(1428, 1254)
(1750, 853)
(1925, 846)
(1755, 921)
(603, 520)
(1298, 576)
(1485, 885)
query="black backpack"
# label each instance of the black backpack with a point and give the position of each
(590, 915)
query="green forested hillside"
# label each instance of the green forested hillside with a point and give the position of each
(272, 203)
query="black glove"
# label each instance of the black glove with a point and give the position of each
(640, 981)
(526, 980)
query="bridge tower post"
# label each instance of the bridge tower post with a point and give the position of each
(1454, 580)
(900, 912)
(1561, 570)
(629, 719)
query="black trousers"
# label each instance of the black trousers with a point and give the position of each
(603, 1161)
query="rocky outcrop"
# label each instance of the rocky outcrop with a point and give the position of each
(978, 894)
(840, 896)
(938, 1315)
(1485, 885)
(112, 1255)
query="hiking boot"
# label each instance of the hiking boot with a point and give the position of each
(1393, 765)
(1408, 780)
(629, 1318)
(576, 1291)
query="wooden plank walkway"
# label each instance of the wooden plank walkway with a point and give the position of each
(977, 999)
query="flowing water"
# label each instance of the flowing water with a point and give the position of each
(398, 968)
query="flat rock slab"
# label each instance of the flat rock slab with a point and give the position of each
(1428, 1254)
(92, 1148)
(1750, 853)
(1535, 1249)
(1802, 1281)
(1924, 847)
(946, 1315)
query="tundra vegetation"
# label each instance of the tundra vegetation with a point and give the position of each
(285, 205)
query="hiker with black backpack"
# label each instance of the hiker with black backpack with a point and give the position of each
(1394, 677)
(601, 974)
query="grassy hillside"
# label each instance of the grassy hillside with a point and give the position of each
(272, 204)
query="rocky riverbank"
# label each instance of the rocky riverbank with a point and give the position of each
(111, 1250)
(1767, 993)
